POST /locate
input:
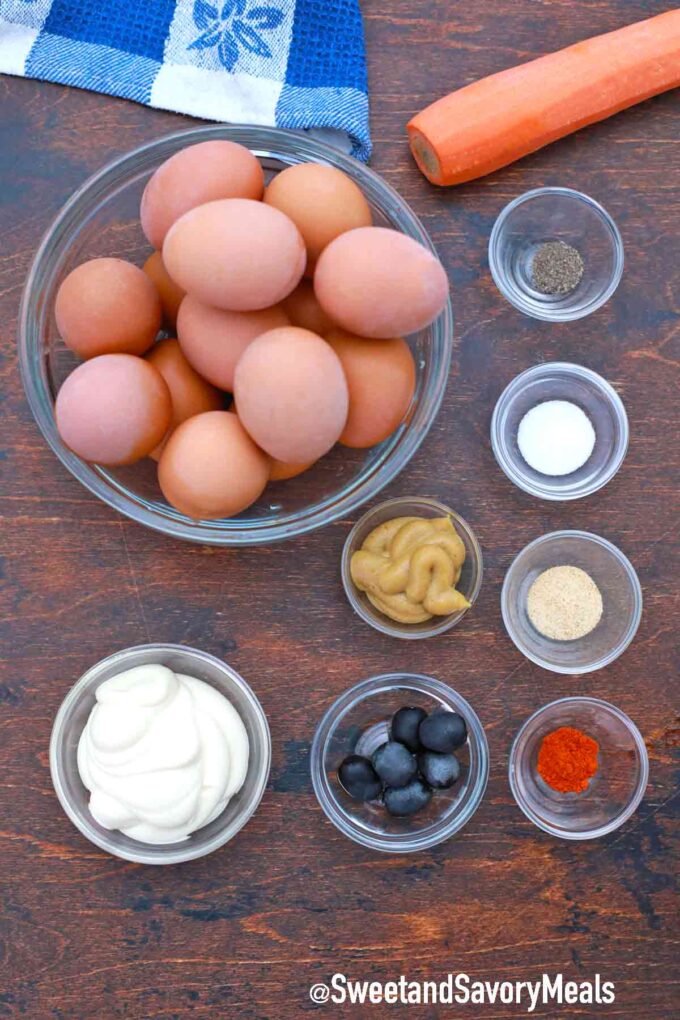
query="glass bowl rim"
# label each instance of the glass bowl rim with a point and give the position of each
(532, 309)
(392, 628)
(636, 589)
(353, 696)
(512, 469)
(622, 816)
(265, 143)
(143, 856)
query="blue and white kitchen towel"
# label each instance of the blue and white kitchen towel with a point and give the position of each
(289, 63)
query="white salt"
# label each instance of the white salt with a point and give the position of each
(556, 437)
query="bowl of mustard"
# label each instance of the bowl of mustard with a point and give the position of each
(411, 567)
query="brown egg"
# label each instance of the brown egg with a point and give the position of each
(198, 174)
(213, 339)
(107, 306)
(189, 392)
(304, 310)
(113, 409)
(281, 472)
(322, 201)
(381, 379)
(235, 254)
(379, 283)
(291, 394)
(211, 468)
(170, 294)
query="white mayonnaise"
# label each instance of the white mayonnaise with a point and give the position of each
(161, 754)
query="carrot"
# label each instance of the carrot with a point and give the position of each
(499, 119)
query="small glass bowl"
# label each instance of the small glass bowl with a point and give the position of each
(613, 793)
(74, 713)
(613, 574)
(358, 722)
(102, 219)
(411, 506)
(555, 214)
(589, 391)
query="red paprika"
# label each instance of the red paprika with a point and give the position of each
(567, 759)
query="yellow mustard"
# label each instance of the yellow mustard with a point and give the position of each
(409, 568)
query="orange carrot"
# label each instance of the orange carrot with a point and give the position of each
(499, 119)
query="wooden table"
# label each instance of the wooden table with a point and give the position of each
(247, 931)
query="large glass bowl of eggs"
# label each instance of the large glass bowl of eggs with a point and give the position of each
(235, 335)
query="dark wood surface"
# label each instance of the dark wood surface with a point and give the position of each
(246, 931)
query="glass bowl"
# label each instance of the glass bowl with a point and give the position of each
(613, 574)
(407, 506)
(613, 793)
(102, 219)
(555, 214)
(359, 721)
(589, 391)
(70, 722)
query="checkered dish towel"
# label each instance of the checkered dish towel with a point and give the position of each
(289, 63)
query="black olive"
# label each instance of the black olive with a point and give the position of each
(394, 763)
(405, 725)
(443, 731)
(407, 799)
(359, 779)
(439, 770)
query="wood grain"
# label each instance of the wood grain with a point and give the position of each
(247, 931)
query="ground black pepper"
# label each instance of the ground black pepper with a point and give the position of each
(556, 268)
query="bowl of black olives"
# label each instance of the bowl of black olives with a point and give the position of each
(400, 762)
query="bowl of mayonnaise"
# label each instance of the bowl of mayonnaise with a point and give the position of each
(160, 754)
